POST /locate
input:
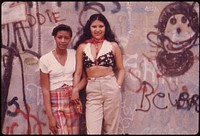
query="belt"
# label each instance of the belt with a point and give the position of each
(103, 77)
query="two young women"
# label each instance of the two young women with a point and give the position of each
(99, 56)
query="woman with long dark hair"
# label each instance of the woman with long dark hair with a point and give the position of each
(98, 54)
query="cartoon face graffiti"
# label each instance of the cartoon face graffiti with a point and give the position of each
(177, 33)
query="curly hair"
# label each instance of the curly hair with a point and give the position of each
(60, 28)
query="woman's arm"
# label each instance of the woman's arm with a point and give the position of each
(45, 84)
(80, 79)
(44, 79)
(80, 85)
(119, 64)
(79, 65)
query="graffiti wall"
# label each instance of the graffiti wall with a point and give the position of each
(160, 45)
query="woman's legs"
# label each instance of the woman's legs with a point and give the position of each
(103, 105)
(67, 119)
(112, 106)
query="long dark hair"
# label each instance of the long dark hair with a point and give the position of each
(109, 35)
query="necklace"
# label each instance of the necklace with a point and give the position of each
(57, 55)
(97, 51)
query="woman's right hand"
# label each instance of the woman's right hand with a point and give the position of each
(52, 125)
(75, 93)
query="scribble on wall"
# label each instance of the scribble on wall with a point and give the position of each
(37, 126)
(177, 33)
(8, 60)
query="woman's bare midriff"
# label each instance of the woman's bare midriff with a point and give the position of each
(99, 71)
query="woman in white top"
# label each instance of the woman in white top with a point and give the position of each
(56, 74)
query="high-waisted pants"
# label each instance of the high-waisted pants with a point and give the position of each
(67, 119)
(103, 105)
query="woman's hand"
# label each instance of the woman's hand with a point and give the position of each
(75, 93)
(76, 101)
(52, 125)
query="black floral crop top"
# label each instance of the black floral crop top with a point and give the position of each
(105, 56)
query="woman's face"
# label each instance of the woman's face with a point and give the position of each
(97, 29)
(62, 39)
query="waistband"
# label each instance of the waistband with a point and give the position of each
(61, 88)
(99, 78)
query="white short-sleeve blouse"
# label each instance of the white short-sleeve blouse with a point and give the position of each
(59, 75)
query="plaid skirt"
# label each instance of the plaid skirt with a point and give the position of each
(67, 119)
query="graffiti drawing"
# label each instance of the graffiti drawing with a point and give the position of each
(177, 33)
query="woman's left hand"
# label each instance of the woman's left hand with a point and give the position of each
(76, 101)
(75, 93)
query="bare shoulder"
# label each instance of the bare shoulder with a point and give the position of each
(115, 45)
(81, 46)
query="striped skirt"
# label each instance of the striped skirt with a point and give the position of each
(67, 119)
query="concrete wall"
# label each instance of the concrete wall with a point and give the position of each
(161, 56)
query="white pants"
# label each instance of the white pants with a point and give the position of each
(103, 105)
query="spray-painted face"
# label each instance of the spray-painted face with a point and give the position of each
(178, 25)
(177, 32)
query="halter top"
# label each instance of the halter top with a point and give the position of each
(104, 57)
